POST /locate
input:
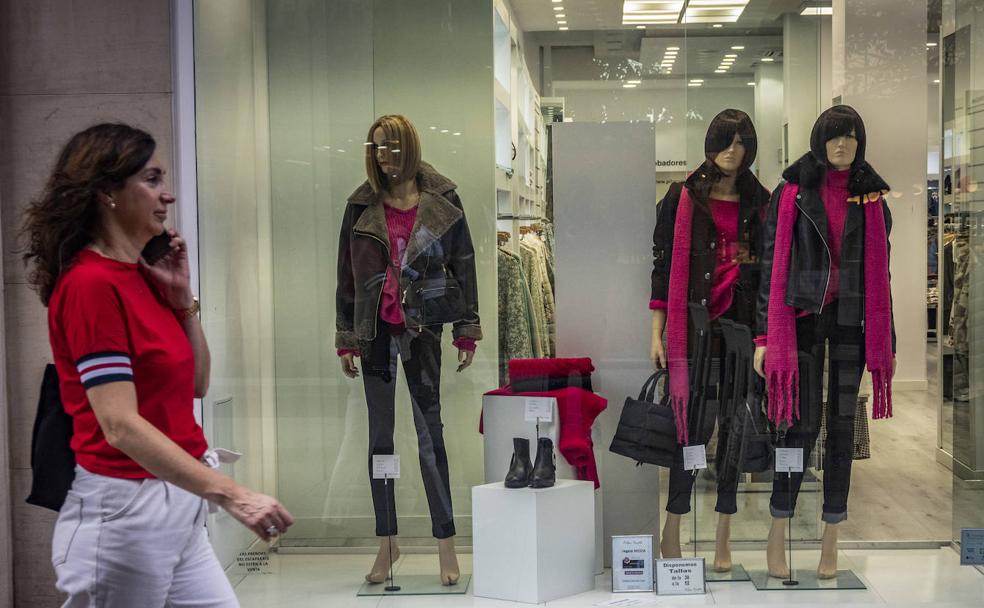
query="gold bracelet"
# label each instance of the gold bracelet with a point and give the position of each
(184, 314)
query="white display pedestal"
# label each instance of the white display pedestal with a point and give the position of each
(533, 546)
(504, 417)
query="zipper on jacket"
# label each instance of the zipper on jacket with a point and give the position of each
(379, 300)
(829, 259)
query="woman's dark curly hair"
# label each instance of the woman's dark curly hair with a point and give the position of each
(64, 219)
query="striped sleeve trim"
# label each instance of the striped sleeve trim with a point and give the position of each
(103, 368)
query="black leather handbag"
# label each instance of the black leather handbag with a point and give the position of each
(433, 301)
(646, 430)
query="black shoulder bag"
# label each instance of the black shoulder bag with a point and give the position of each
(52, 457)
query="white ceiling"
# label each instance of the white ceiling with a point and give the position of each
(538, 15)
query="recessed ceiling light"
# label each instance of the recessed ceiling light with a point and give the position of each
(930, 44)
(457, 132)
(695, 84)
(738, 48)
(561, 22)
(560, 16)
(696, 80)
(717, 25)
(672, 48)
(640, 27)
(817, 10)
(629, 86)
(768, 59)
(557, 1)
(444, 130)
(751, 84)
(563, 28)
(671, 53)
(634, 81)
(720, 71)
(558, 8)
(937, 81)
(726, 61)
(731, 55)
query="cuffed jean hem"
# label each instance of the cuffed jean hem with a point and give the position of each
(834, 518)
(727, 504)
(442, 531)
(780, 513)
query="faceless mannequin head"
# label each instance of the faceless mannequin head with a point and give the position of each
(838, 138)
(731, 144)
(392, 152)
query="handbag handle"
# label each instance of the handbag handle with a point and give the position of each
(648, 392)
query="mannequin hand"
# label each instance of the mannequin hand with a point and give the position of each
(759, 361)
(657, 354)
(894, 365)
(465, 359)
(348, 365)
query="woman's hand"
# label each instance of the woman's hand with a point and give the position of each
(465, 359)
(758, 361)
(349, 368)
(262, 514)
(171, 274)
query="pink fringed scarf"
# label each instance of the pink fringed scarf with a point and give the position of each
(676, 315)
(781, 361)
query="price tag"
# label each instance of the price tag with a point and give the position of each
(694, 457)
(680, 577)
(632, 563)
(386, 466)
(540, 408)
(789, 460)
(972, 547)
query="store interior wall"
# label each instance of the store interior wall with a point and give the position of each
(334, 67)
(60, 72)
(234, 248)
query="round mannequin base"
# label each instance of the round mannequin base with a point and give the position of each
(392, 588)
(789, 583)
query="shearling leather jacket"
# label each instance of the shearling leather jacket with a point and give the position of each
(703, 241)
(440, 245)
(809, 264)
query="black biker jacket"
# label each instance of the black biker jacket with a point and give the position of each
(809, 264)
(440, 245)
(751, 215)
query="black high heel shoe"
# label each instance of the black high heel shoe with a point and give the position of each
(520, 466)
(545, 469)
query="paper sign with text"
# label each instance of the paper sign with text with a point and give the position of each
(632, 563)
(680, 576)
(694, 457)
(540, 408)
(789, 460)
(972, 547)
(386, 466)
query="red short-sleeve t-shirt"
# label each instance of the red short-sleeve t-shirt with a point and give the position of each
(106, 323)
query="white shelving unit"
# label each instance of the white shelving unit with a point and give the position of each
(520, 144)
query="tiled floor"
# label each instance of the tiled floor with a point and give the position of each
(900, 578)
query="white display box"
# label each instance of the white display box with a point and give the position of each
(533, 546)
(503, 417)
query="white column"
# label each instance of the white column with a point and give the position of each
(880, 69)
(768, 105)
(801, 70)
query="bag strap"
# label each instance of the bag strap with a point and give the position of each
(648, 392)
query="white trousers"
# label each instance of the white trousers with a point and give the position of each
(122, 543)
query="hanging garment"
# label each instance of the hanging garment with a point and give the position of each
(961, 293)
(535, 282)
(516, 325)
(535, 244)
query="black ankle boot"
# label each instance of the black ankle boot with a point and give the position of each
(520, 466)
(545, 470)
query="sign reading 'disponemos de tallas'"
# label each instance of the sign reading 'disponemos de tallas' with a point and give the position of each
(632, 563)
(680, 576)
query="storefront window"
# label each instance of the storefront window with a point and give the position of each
(572, 137)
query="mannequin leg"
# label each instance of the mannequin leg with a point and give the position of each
(722, 545)
(669, 542)
(828, 552)
(381, 567)
(776, 550)
(448, 560)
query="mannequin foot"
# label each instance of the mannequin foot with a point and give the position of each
(669, 542)
(722, 546)
(828, 553)
(381, 567)
(776, 550)
(449, 561)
